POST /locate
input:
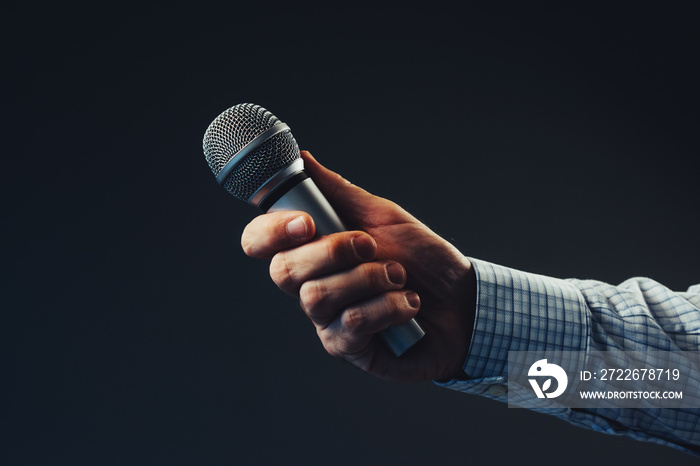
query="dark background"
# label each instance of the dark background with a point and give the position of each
(558, 140)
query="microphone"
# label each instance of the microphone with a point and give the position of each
(255, 157)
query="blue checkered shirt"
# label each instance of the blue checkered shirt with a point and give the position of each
(518, 311)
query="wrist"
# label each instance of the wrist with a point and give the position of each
(469, 307)
(465, 299)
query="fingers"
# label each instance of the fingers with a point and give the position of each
(291, 268)
(343, 289)
(351, 334)
(324, 299)
(268, 234)
(350, 307)
(376, 314)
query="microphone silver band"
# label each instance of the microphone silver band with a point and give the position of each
(251, 146)
(271, 184)
(282, 189)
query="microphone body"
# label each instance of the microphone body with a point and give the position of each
(307, 197)
(269, 153)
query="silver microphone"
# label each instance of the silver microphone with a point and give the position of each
(255, 157)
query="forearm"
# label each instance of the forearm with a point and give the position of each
(518, 311)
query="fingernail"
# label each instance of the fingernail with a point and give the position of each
(413, 300)
(364, 247)
(396, 273)
(296, 228)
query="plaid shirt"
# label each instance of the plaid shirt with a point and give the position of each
(518, 311)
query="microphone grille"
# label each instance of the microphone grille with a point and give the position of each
(232, 131)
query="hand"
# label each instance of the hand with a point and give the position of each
(387, 270)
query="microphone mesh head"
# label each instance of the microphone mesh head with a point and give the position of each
(232, 131)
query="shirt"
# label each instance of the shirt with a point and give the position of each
(520, 311)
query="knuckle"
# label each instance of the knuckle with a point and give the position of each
(247, 243)
(330, 344)
(335, 344)
(281, 273)
(311, 297)
(256, 241)
(334, 247)
(355, 318)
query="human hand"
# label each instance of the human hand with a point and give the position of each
(388, 269)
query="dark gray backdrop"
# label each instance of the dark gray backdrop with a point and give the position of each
(558, 140)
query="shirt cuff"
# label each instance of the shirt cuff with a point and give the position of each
(518, 311)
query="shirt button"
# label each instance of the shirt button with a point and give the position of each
(497, 390)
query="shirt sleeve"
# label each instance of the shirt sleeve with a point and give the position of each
(519, 311)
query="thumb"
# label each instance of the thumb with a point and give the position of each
(348, 199)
